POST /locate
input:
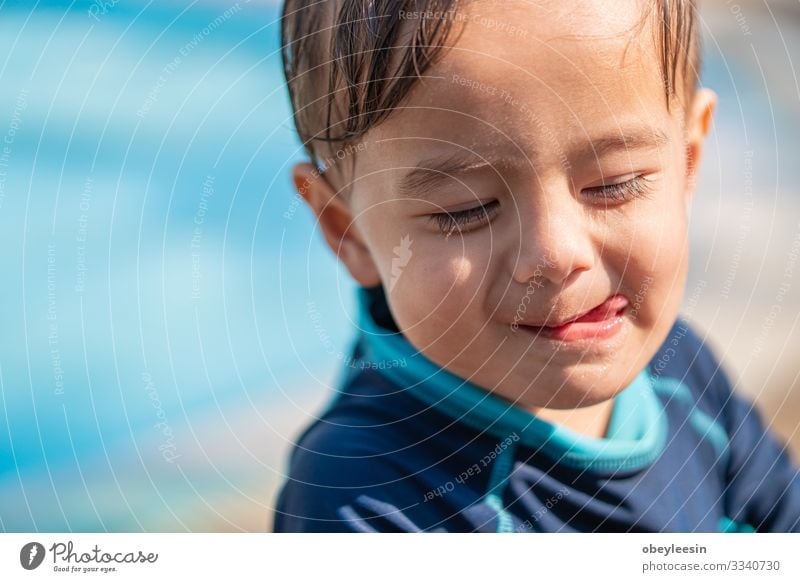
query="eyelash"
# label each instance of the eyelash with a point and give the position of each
(636, 187)
(450, 222)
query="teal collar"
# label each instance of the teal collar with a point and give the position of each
(637, 430)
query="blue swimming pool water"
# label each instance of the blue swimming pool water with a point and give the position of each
(154, 261)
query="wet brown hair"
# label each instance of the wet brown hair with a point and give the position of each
(350, 63)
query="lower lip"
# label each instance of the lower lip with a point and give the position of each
(602, 322)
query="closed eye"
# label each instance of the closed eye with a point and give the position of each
(636, 187)
(450, 222)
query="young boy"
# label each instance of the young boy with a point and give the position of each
(509, 184)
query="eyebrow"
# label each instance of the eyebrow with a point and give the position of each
(423, 179)
(640, 138)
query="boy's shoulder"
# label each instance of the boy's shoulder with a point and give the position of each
(362, 421)
(762, 483)
(371, 443)
(694, 386)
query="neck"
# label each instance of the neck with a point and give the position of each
(591, 421)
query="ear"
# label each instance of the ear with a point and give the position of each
(698, 123)
(336, 223)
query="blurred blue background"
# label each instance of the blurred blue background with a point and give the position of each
(153, 256)
(170, 317)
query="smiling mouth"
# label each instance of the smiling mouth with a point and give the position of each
(600, 322)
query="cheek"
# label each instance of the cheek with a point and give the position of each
(431, 282)
(440, 287)
(656, 267)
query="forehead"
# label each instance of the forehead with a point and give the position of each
(564, 44)
(532, 77)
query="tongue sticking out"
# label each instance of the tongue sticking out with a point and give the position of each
(604, 311)
(597, 325)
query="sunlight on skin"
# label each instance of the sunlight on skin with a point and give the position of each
(551, 125)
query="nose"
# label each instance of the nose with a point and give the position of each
(555, 240)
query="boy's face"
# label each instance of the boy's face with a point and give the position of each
(572, 184)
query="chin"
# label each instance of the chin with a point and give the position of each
(574, 393)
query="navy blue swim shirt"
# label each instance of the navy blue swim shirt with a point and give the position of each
(406, 446)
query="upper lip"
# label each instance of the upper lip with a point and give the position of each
(553, 322)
